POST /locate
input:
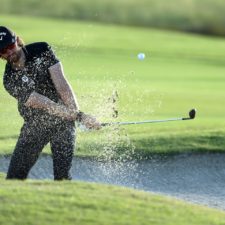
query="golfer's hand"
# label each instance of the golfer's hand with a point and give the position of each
(90, 122)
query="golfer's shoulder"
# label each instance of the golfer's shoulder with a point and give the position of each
(37, 48)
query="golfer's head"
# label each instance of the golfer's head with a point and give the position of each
(7, 39)
(10, 44)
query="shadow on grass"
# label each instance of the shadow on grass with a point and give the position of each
(209, 143)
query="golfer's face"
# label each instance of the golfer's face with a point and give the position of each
(11, 52)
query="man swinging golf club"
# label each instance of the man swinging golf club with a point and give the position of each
(34, 76)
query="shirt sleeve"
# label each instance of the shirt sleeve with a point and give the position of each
(49, 56)
(20, 88)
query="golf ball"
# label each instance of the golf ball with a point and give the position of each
(141, 56)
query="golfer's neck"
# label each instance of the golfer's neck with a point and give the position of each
(20, 63)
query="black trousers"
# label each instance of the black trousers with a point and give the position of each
(34, 135)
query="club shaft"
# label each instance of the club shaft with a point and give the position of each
(146, 121)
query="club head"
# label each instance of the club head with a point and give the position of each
(192, 113)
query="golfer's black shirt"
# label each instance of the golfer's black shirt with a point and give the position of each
(33, 77)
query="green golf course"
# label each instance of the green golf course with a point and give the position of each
(180, 71)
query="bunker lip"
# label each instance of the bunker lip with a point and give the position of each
(197, 178)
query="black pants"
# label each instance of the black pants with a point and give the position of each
(34, 135)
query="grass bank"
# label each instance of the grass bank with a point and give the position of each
(180, 72)
(46, 202)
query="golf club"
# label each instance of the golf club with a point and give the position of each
(192, 114)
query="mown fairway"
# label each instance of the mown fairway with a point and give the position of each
(180, 71)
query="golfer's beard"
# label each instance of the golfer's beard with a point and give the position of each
(15, 57)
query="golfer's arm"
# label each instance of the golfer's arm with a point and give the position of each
(39, 101)
(63, 87)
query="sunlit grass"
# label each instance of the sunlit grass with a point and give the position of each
(46, 202)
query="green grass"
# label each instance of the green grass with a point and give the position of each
(204, 16)
(180, 72)
(46, 203)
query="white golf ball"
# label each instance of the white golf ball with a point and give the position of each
(141, 56)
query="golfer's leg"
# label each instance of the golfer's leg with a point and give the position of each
(62, 146)
(29, 145)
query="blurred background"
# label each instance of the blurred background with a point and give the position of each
(199, 16)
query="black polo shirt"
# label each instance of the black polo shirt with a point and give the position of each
(33, 77)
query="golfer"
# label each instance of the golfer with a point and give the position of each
(34, 76)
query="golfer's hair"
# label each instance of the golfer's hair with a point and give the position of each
(20, 41)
